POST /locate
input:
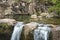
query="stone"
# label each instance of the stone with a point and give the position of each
(56, 33)
(8, 21)
(28, 30)
(44, 14)
(53, 26)
(34, 17)
(40, 17)
(8, 11)
(32, 8)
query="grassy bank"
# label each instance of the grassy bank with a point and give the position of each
(50, 21)
(26, 19)
(23, 18)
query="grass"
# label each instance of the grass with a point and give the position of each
(4, 28)
(23, 18)
(26, 19)
(51, 21)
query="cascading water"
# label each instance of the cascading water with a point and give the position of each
(42, 32)
(17, 31)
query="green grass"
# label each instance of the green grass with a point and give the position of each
(26, 19)
(4, 28)
(51, 21)
(23, 18)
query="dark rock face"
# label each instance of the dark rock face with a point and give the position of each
(6, 28)
(56, 33)
(5, 31)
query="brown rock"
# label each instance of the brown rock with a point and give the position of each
(56, 33)
(28, 30)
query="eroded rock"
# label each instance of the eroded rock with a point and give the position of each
(8, 21)
(28, 30)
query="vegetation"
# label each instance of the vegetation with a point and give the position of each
(23, 18)
(5, 28)
(56, 7)
(54, 21)
(5, 31)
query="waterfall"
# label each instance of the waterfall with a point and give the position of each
(17, 31)
(42, 32)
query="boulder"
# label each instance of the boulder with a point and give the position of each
(48, 15)
(8, 21)
(28, 30)
(53, 26)
(34, 17)
(40, 18)
(56, 33)
(44, 14)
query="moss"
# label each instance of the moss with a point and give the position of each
(4, 25)
(5, 31)
(5, 28)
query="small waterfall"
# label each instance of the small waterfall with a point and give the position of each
(42, 32)
(17, 31)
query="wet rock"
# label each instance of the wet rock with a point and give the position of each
(28, 30)
(5, 31)
(48, 15)
(53, 26)
(56, 33)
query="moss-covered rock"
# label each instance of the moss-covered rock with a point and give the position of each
(5, 31)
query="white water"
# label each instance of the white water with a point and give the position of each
(17, 31)
(42, 32)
